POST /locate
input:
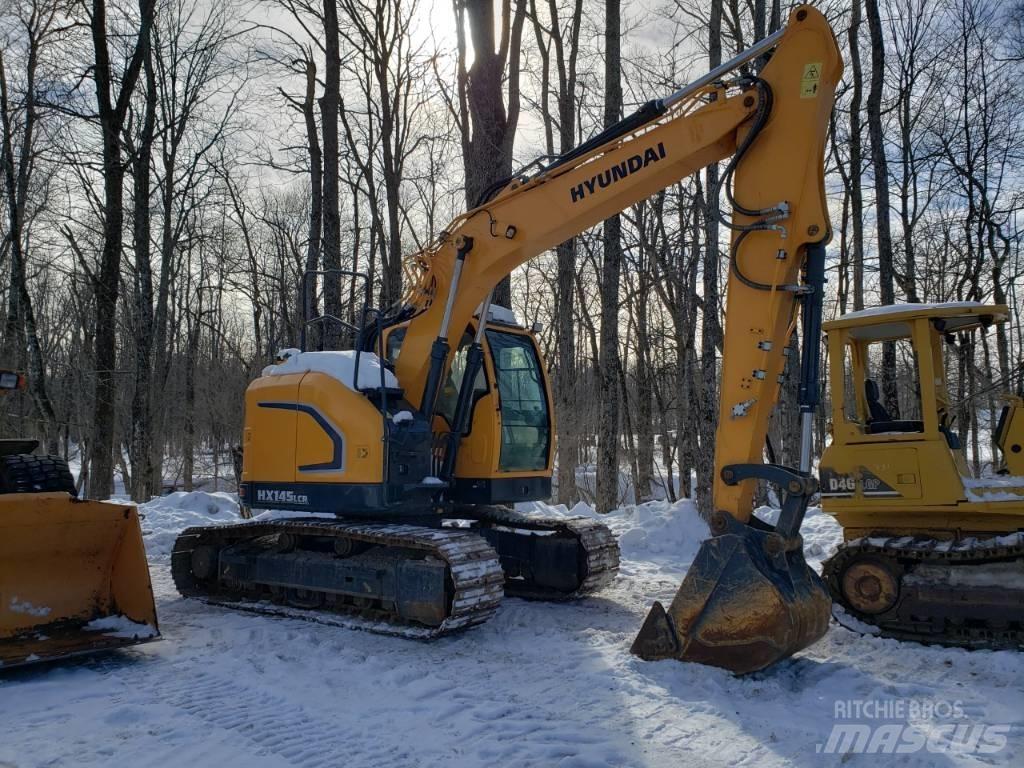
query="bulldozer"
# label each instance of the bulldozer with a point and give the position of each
(399, 460)
(73, 573)
(930, 553)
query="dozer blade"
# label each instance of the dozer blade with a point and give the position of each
(73, 578)
(748, 600)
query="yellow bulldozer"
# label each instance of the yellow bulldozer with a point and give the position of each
(930, 553)
(73, 573)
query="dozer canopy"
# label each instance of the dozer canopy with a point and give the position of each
(73, 578)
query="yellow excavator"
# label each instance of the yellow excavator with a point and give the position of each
(398, 458)
(73, 573)
(930, 553)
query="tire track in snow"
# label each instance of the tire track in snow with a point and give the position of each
(272, 725)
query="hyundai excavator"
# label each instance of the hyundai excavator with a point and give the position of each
(399, 460)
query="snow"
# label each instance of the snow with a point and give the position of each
(120, 626)
(165, 517)
(402, 416)
(540, 684)
(340, 366)
(499, 314)
(910, 308)
(986, 489)
(27, 608)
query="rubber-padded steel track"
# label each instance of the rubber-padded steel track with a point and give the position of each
(936, 619)
(475, 573)
(598, 560)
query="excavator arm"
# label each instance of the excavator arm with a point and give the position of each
(752, 598)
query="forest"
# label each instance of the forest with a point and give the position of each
(171, 168)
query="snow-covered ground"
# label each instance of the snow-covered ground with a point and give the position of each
(538, 685)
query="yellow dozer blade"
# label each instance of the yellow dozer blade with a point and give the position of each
(73, 578)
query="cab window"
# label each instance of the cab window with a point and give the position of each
(449, 395)
(394, 344)
(525, 425)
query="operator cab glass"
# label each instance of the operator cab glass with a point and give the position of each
(525, 421)
(448, 397)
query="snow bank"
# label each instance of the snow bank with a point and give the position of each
(822, 534)
(659, 529)
(340, 366)
(653, 529)
(165, 517)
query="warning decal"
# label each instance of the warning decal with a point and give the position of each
(810, 79)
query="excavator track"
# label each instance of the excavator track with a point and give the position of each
(967, 593)
(404, 580)
(550, 558)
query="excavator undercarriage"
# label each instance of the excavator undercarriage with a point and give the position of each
(409, 580)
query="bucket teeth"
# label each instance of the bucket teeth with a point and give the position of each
(657, 639)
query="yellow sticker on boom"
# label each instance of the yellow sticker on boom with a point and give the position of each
(810, 79)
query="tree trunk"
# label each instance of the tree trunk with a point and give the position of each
(488, 130)
(316, 195)
(710, 325)
(329, 105)
(566, 372)
(608, 429)
(886, 277)
(112, 112)
(856, 158)
(17, 188)
(140, 446)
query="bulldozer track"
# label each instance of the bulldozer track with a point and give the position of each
(931, 625)
(475, 573)
(599, 545)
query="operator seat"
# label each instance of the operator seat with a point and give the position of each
(879, 419)
(876, 411)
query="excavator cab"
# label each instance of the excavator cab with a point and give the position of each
(507, 449)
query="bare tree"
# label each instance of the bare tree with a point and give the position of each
(113, 96)
(880, 171)
(486, 124)
(40, 24)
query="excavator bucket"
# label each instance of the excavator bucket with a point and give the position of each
(748, 600)
(73, 578)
